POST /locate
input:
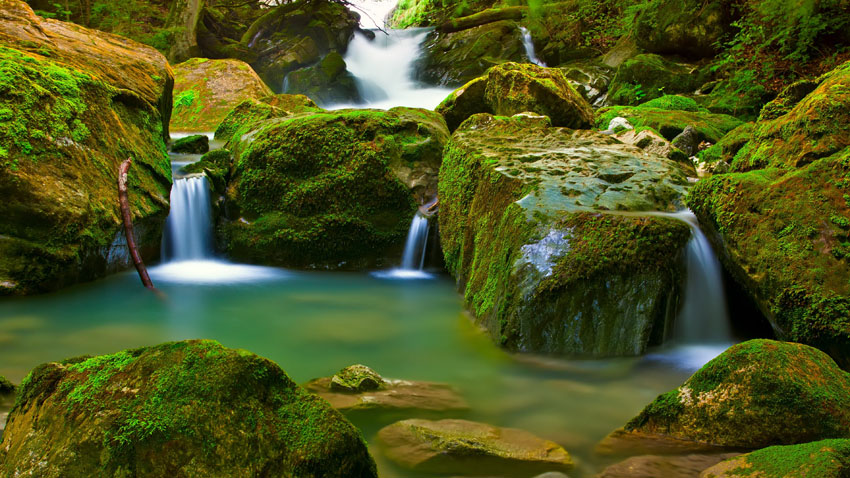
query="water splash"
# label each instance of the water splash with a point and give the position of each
(413, 259)
(528, 43)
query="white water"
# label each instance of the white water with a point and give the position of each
(413, 258)
(528, 43)
(373, 13)
(384, 69)
(189, 227)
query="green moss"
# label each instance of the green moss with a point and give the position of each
(825, 459)
(669, 123)
(647, 77)
(674, 103)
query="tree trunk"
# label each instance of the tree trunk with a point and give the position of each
(124, 201)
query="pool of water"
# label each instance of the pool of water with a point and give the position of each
(313, 324)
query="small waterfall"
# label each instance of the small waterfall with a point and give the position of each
(529, 47)
(417, 240)
(188, 230)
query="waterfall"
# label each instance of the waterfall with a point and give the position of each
(417, 240)
(188, 230)
(529, 47)
(383, 69)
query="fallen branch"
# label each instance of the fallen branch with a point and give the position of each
(128, 224)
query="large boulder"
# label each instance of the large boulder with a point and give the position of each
(735, 399)
(513, 88)
(647, 76)
(460, 446)
(242, 118)
(192, 406)
(669, 119)
(692, 28)
(206, 90)
(330, 189)
(326, 83)
(784, 203)
(821, 459)
(526, 231)
(75, 103)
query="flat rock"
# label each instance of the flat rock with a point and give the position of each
(393, 395)
(667, 466)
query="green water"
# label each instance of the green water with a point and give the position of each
(313, 324)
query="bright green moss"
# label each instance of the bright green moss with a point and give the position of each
(669, 123)
(674, 103)
(823, 459)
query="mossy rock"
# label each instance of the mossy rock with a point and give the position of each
(6, 387)
(246, 114)
(456, 58)
(326, 83)
(195, 144)
(543, 268)
(670, 123)
(75, 103)
(648, 76)
(216, 165)
(590, 78)
(357, 378)
(513, 88)
(206, 90)
(331, 189)
(755, 394)
(193, 406)
(728, 146)
(822, 459)
(692, 28)
(425, 13)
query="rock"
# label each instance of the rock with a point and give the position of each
(734, 400)
(543, 267)
(654, 466)
(783, 203)
(75, 103)
(688, 141)
(724, 150)
(195, 144)
(552, 474)
(330, 189)
(192, 406)
(384, 394)
(619, 122)
(692, 28)
(206, 90)
(670, 123)
(513, 88)
(6, 387)
(460, 446)
(326, 83)
(215, 165)
(456, 58)
(590, 78)
(651, 142)
(246, 114)
(183, 21)
(674, 103)
(646, 77)
(822, 459)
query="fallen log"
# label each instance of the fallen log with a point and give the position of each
(124, 202)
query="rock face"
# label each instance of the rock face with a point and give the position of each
(206, 90)
(734, 399)
(74, 103)
(784, 203)
(358, 388)
(460, 446)
(532, 228)
(823, 459)
(192, 406)
(691, 28)
(330, 189)
(513, 88)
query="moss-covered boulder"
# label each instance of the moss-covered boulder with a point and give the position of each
(460, 446)
(326, 83)
(357, 378)
(755, 394)
(648, 76)
(785, 202)
(692, 28)
(525, 230)
(75, 103)
(669, 119)
(513, 88)
(193, 406)
(206, 90)
(590, 78)
(6, 387)
(194, 144)
(248, 113)
(725, 149)
(455, 58)
(330, 189)
(822, 459)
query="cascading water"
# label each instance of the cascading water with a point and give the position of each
(417, 240)
(528, 43)
(188, 230)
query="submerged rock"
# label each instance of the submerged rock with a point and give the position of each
(206, 90)
(821, 459)
(192, 406)
(541, 228)
(666, 466)
(735, 399)
(195, 144)
(460, 446)
(513, 88)
(75, 103)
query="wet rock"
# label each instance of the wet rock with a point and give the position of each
(524, 223)
(513, 88)
(206, 90)
(326, 83)
(195, 144)
(590, 78)
(651, 142)
(670, 123)
(822, 459)
(194, 406)
(460, 446)
(75, 103)
(734, 400)
(670, 466)
(687, 141)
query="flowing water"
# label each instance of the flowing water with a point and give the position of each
(413, 258)
(528, 43)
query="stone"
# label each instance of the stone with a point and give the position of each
(590, 78)
(206, 90)
(691, 28)
(195, 144)
(246, 114)
(733, 400)
(513, 88)
(193, 406)
(532, 229)
(651, 142)
(356, 378)
(670, 123)
(460, 446)
(688, 141)
(6, 387)
(822, 459)
(669, 466)
(74, 104)
(326, 83)
(648, 76)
